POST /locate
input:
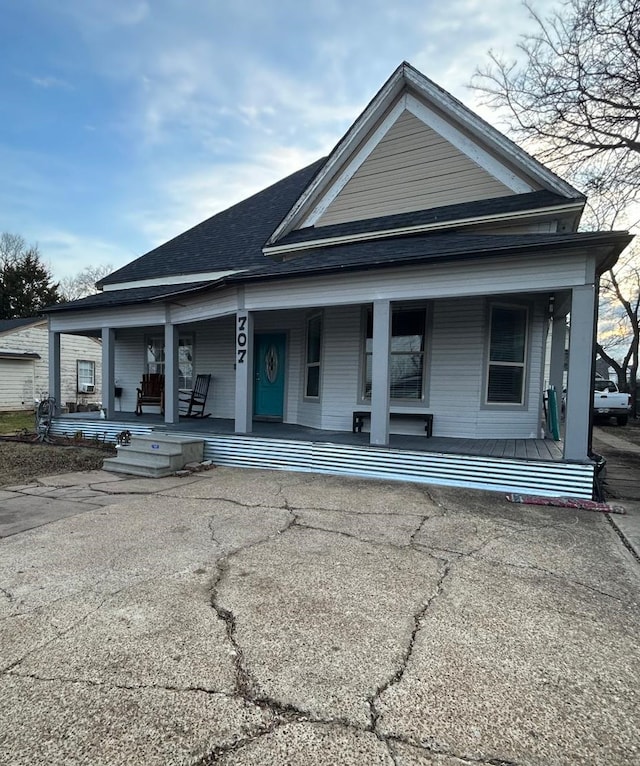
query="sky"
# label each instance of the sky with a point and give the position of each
(125, 122)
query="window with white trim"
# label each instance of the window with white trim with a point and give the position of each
(407, 360)
(314, 348)
(86, 376)
(507, 355)
(155, 358)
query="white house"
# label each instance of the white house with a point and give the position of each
(413, 277)
(24, 365)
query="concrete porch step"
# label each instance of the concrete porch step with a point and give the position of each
(156, 455)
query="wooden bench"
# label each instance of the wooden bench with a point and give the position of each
(359, 416)
(151, 391)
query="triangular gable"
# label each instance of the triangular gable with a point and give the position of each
(413, 167)
(460, 157)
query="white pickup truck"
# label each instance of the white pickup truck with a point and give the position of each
(608, 402)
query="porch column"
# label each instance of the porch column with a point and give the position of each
(244, 372)
(108, 370)
(171, 373)
(55, 390)
(556, 365)
(579, 382)
(380, 373)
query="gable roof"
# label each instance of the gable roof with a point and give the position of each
(230, 240)
(14, 324)
(480, 139)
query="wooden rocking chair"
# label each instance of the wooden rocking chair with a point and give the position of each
(151, 391)
(196, 399)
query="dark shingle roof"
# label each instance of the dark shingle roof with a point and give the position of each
(511, 203)
(361, 256)
(14, 324)
(232, 239)
(110, 298)
(421, 248)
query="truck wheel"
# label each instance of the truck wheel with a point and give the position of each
(622, 420)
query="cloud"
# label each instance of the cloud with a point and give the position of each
(67, 253)
(185, 200)
(49, 81)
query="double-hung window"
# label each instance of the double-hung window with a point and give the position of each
(86, 376)
(407, 360)
(314, 349)
(155, 358)
(507, 355)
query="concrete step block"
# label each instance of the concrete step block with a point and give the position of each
(114, 465)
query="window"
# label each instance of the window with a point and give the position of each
(155, 361)
(407, 365)
(314, 345)
(86, 376)
(507, 355)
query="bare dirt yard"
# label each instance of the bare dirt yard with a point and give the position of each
(22, 461)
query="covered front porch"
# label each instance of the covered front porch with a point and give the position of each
(529, 466)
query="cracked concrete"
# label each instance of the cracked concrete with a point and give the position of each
(243, 617)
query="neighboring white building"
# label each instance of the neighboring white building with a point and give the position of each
(24, 365)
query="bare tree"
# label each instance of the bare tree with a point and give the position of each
(572, 98)
(619, 321)
(83, 283)
(12, 248)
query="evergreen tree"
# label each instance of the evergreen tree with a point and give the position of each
(26, 284)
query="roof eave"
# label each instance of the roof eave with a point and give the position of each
(283, 251)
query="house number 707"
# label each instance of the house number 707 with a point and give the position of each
(241, 339)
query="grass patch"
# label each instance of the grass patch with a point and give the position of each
(14, 422)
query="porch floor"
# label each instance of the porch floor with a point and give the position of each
(520, 449)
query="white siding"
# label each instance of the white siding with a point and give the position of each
(412, 168)
(17, 390)
(443, 280)
(455, 364)
(35, 339)
(341, 366)
(129, 366)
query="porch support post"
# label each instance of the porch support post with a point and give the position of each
(55, 390)
(171, 373)
(380, 373)
(556, 364)
(244, 372)
(579, 382)
(108, 369)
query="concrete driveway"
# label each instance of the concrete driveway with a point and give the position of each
(251, 617)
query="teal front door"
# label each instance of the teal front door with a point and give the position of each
(268, 389)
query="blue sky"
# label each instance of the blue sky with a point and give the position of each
(127, 121)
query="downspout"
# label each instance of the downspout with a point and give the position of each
(600, 462)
